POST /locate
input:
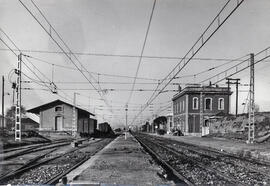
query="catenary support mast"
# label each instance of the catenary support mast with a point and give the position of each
(18, 100)
(251, 117)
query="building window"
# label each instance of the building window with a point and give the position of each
(183, 104)
(208, 104)
(195, 105)
(221, 104)
(180, 107)
(58, 109)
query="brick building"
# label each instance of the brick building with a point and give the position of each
(58, 116)
(186, 107)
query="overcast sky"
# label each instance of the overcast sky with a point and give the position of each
(119, 27)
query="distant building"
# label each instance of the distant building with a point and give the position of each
(58, 116)
(186, 107)
(29, 124)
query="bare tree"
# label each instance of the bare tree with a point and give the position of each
(10, 115)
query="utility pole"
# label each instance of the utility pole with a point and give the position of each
(18, 100)
(228, 100)
(3, 100)
(251, 117)
(236, 82)
(126, 109)
(74, 126)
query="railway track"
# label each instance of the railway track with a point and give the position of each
(20, 158)
(213, 155)
(50, 168)
(12, 153)
(200, 166)
(27, 147)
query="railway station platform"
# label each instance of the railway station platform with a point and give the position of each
(235, 147)
(122, 162)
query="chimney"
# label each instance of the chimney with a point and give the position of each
(179, 88)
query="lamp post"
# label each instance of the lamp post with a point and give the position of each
(126, 109)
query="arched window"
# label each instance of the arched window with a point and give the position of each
(195, 105)
(208, 104)
(221, 104)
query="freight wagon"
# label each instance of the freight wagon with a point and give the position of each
(104, 127)
(87, 126)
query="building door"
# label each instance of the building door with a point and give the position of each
(205, 128)
(59, 123)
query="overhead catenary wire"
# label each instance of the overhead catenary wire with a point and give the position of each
(237, 68)
(142, 51)
(131, 77)
(121, 55)
(201, 41)
(107, 89)
(23, 62)
(96, 73)
(40, 82)
(69, 54)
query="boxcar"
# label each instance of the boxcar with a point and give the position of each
(92, 125)
(87, 126)
(104, 127)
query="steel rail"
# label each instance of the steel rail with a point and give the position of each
(216, 172)
(226, 156)
(164, 163)
(20, 171)
(234, 160)
(36, 149)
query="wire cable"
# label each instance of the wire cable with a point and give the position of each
(142, 51)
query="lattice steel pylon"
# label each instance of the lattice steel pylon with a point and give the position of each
(18, 100)
(251, 117)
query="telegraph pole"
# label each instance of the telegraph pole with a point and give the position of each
(18, 100)
(236, 82)
(251, 117)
